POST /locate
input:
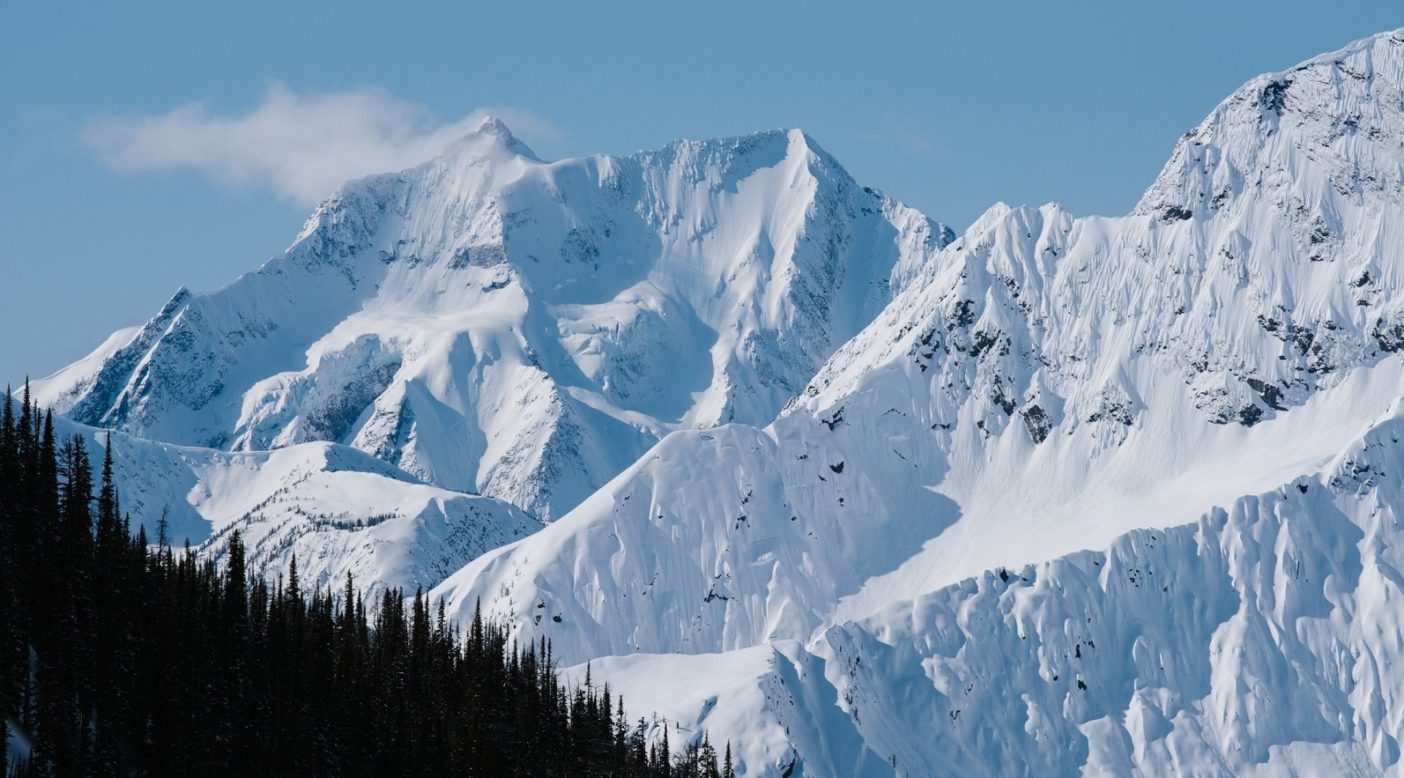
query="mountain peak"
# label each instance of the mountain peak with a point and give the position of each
(744, 154)
(1333, 120)
(492, 137)
(494, 126)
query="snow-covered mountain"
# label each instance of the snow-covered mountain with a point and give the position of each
(1058, 495)
(490, 322)
(1222, 363)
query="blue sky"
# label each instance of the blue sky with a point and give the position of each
(152, 145)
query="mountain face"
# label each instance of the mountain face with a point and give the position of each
(492, 323)
(1206, 390)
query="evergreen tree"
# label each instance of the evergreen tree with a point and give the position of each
(148, 661)
(12, 611)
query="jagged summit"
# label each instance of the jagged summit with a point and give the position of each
(492, 125)
(491, 136)
(1326, 129)
(791, 147)
(779, 141)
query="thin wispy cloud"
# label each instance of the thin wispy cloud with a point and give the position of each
(299, 145)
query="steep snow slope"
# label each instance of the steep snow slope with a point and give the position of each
(491, 322)
(772, 703)
(1261, 638)
(1048, 384)
(725, 538)
(338, 509)
(1258, 640)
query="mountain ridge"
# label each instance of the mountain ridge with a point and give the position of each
(560, 284)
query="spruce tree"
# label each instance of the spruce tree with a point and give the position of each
(152, 662)
(12, 630)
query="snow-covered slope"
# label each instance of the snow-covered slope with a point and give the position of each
(491, 322)
(1262, 638)
(1048, 384)
(338, 509)
(770, 703)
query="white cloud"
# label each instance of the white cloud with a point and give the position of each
(301, 146)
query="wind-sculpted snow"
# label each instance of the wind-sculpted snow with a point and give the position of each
(491, 322)
(1258, 268)
(1262, 637)
(1049, 384)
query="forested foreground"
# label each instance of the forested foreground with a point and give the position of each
(125, 657)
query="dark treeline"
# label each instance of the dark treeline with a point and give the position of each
(124, 657)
